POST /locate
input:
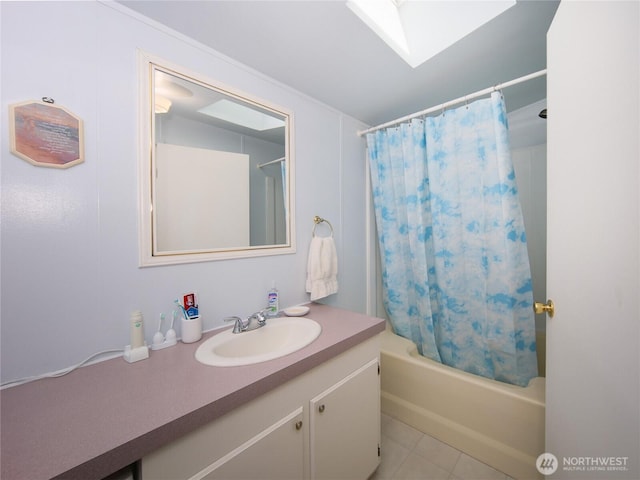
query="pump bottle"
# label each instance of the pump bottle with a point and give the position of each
(273, 303)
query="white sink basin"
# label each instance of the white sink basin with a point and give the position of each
(279, 337)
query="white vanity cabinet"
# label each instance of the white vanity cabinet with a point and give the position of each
(345, 426)
(274, 454)
(283, 435)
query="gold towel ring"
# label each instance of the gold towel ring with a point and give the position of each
(317, 220)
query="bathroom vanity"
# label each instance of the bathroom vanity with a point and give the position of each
(310, 414)
(322, 424)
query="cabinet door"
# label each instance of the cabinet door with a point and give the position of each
(275, 453)
(345, 427)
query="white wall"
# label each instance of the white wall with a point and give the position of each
(69, 246)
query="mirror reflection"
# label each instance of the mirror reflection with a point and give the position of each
(220, 171)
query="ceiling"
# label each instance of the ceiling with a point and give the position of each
(322, 49)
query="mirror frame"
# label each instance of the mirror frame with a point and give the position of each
(146, 65)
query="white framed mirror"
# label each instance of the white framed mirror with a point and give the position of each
(216, 170)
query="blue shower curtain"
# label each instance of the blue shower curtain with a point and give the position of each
(456, 276)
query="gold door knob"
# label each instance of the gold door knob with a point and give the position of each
(547, 308)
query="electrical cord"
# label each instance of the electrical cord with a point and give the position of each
(59, 373)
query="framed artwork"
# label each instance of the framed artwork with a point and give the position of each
(46, 135)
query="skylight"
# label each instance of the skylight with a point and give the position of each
(417, 30)
(241, 115)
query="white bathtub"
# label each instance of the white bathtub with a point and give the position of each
(500, 424)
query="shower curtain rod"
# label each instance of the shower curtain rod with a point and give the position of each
(450, 103)
(277, 160)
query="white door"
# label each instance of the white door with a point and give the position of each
(204, 199)
(593, 272)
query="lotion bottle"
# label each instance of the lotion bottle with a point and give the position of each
(137, 329)
(273, 303)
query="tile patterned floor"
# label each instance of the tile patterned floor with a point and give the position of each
(408, 454)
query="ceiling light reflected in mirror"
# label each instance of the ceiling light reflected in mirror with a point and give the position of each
(161, 104)
(242, 115)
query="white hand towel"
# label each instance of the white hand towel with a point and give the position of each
(322, 268)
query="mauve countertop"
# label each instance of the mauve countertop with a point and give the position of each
(105, 416)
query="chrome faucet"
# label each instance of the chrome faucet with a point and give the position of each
(254, 321)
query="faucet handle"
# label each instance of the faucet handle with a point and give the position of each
(238, 326)
(260, 316)
(264, 315)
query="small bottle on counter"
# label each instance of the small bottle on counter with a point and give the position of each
(137, 329)
(138, 349)
(273, 303)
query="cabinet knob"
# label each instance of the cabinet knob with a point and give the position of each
(298, 424)
(321, 408)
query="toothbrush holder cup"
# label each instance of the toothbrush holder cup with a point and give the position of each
(191, 329)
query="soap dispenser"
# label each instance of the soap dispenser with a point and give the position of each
(273, 302)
